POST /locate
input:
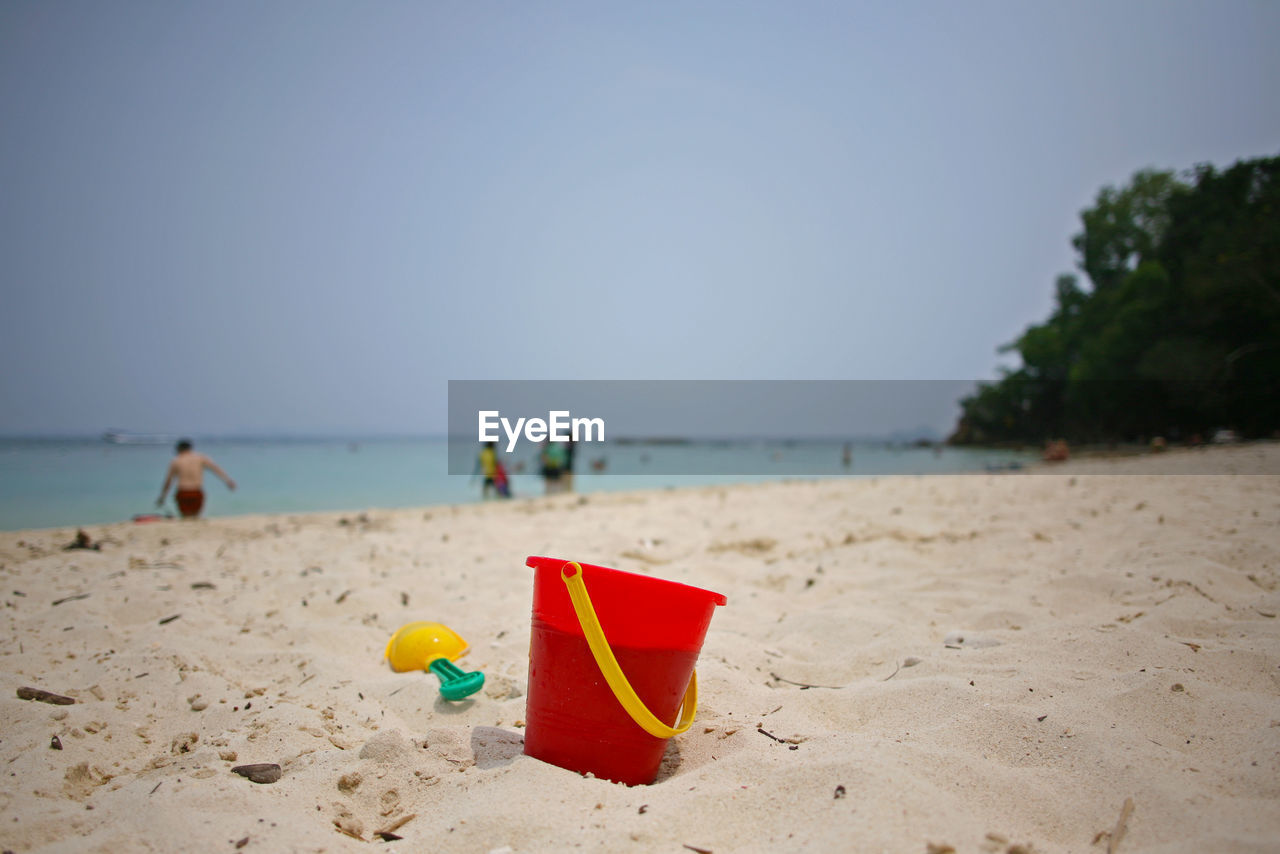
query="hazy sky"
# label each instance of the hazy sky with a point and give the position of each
(308, 216)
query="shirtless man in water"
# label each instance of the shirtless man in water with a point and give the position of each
(188, 467)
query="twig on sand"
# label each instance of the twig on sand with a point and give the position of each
(1117, 833)
(390, 829)
(893, 674)
(40, 695)
(805, 685)
(696, 848)
(770, 735)
(70, 598)
(399, 823)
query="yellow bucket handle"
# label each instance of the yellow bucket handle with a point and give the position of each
(609, 665)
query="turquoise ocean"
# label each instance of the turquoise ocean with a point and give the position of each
(47, 483)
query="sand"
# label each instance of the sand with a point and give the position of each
(1006, 661)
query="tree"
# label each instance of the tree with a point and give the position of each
(1124, 227)
(1223, 246)
(1180, 331)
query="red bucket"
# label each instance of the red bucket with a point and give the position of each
(579, 713)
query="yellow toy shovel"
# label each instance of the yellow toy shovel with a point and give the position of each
(434, 647)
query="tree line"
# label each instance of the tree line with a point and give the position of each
(1177, 331)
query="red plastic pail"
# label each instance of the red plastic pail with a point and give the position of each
(574, 717)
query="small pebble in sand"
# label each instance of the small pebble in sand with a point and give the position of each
(266, 772)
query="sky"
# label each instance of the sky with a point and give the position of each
(307, 217)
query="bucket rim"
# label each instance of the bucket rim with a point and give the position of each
(542, 562)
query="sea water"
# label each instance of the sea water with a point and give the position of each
(47, 483)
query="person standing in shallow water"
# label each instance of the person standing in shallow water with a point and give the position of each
(566, 474)
(487, 466)
(187, 468)
(552, 461)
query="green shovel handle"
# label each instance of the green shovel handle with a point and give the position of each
(455, 683)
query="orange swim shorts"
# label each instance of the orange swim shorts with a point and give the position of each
(189, 502)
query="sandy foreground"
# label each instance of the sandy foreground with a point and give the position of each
(1005, 661)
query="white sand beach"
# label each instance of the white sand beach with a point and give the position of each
(1001, 663)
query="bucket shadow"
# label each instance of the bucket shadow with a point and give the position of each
(493, 747)
(670, 766)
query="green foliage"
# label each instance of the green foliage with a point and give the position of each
(1125, 226)
(1180, 331)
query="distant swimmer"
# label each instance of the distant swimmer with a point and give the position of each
(495, 474)
(487, 467)
(552, 460)
(188, 469)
